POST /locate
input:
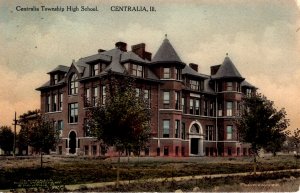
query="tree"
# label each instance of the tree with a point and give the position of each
(123, 121)
(42, 135)
(261, 123)
(295, 140)
(6, 139)
(25, 121)
(277, 142)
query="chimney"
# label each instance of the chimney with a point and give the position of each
(122, 46)
(101, 50)
(214, 69)
(139, 49)
(148, 56)
(194, 66)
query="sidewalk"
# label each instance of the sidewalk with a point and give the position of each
(182, 178)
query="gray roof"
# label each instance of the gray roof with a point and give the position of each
(227, 70)
(188, 70)
(95, 57)
(116, 57)
(60, 68)
(166, 53)
(247, 84)
(131, 56)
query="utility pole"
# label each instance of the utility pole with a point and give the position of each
(15, 134)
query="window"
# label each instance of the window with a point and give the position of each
(167, 73)
(248, 92)
(177, 97)
(73, 87)
(55, 79)
(202, 85)
(229, 131)
(60, 127)
(102, 67)
(95, 96)
(209, 134)
(137, 92)
(205, 108)
(48, 103)
(238, 109)
(183, 105)
(166, 99)
(191, 106)
(178, 74)
(126, 65)
(238, 87)
(94, 148)
(182, 130)
(95, 69)
(220, 111)
(229, 151)
(194, 85)
(87, 128)
(139, 71)
(86, 150)
(166, 128)
(54, 104)
(87, 96)
(177, 127)
(211, 109)
(134, 69)
(147, 97)
(229, 109)
(197, 107)
(73, 112)
(103, 94)
(60, 103)
(166, 150)
(229, 86)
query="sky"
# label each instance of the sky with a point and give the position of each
(262, 38)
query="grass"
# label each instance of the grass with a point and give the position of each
(266, 182)
(75, 170)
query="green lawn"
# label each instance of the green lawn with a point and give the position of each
(74, 170)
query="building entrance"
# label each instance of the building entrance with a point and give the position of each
(72, 142)
(196, 139)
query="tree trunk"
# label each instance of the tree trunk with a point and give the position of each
(255, 164)
(118, 170)
(41, 152)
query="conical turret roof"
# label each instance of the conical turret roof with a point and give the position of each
(166, 53)
(227, 70)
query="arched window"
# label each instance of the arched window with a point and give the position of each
(73, 84)
(195, 129)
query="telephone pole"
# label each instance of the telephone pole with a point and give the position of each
(15, 134)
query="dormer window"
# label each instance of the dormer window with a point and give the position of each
(194, 85)
(248, 92)
(167, 73)
(95, 69)
(55, 79)
(102, 67)
(134, 69)
(73, 84)
(137, 70)
(126, 65)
